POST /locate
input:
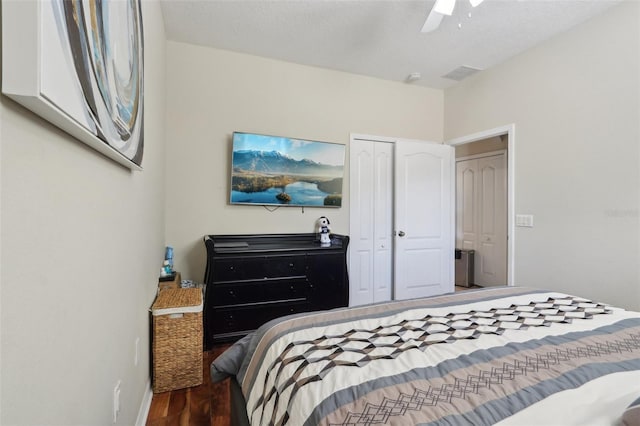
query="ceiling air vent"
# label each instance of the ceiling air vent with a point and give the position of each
(461, 73)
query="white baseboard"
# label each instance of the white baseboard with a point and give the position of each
(145, 405)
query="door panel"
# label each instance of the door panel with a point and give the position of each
(429, 260)
(481, 216)
(361, 218)
(491, 266)
(371, 216)
(360, 277)
(383, 219)
(466, 201)
(423, 202)
(425, 234)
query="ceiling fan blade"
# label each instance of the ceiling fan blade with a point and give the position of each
(432, 22)
(441, 8)
(444, 7)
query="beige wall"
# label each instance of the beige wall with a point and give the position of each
(575, 104)
(82, 244)
(211, 93)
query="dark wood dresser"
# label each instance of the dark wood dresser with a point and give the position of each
(252, 279)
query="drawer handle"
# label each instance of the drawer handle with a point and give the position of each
(231, 293)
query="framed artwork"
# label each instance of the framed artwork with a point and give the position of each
(79, 64)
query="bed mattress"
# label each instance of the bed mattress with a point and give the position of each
(494, 356)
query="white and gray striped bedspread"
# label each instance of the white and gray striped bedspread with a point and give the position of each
(507, 355)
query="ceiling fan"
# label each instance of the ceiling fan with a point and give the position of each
(440, 9)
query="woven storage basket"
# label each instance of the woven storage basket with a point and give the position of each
(177, 339)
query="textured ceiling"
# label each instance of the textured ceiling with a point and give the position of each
(376, 38)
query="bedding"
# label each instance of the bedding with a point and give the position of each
(492, 356)
(631, 415)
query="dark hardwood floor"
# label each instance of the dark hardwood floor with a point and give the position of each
(208, 404)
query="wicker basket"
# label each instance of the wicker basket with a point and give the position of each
(177, 339)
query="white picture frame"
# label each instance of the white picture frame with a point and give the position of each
(87, 81)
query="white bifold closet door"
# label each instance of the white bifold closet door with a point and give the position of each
(401, 226)
(371, 217)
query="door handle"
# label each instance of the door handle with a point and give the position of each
(401, 234)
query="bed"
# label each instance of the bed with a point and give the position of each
(507, 356)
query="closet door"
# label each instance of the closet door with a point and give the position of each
(425, 231)
(371, 219)
(401, 220)
(491, 265)
(481, 216)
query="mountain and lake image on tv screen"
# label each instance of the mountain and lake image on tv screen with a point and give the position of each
(276, 170)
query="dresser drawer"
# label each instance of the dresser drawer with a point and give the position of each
(258, 267)
(250, 318)
(251, 292)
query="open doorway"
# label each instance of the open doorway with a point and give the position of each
(484, 208)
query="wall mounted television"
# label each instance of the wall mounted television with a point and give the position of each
(282, 171)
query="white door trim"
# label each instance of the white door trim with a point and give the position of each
(510, 131)
(482, 155)
(361, 136)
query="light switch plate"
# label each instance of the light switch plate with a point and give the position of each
(524, 220)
